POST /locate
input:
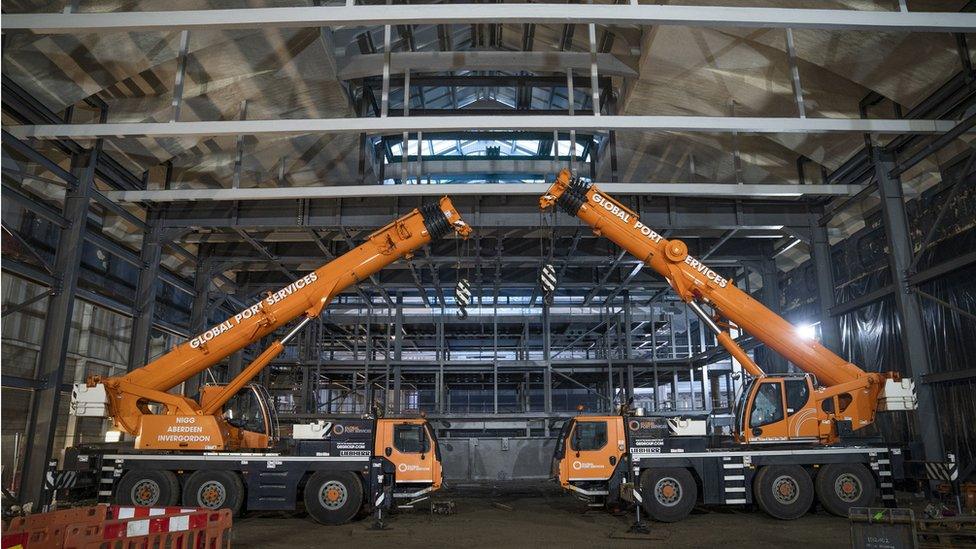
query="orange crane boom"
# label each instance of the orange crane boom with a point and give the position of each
(127, 398)
(858, 392)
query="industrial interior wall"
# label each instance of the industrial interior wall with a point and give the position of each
(871, 335)
(98, 343)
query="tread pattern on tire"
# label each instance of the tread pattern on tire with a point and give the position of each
(169, 486)
(232, 484)
(689, 492)
(762, 493)
(354, 488)
(824, 487)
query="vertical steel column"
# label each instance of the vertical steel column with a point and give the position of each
(820, 247)
(594, 75)
(608, 356)
(439, 392)
(629, 345)
(571, 107)
(144, 305)
(706, 378)
(81, 366)
(494, 351)
(657, 387)
(385, 99)
(691, 365)
(774, 363)
(45, 402)
(367, 384)
(913, 342)
(405, 143)
(674, 389)
(398, 354)
(547, 359)
(201, 299)
(235, 363)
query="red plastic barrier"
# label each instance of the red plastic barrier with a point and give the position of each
(121, 527)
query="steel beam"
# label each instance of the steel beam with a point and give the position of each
(914, 347)
(144, 303)
(371, 64)
(515, 14)
(45, 402)
(433, 124)
(717, 190)
(771, 299)
(201, 299)
(820, 250)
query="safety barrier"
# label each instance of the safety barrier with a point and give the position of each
(121, 527)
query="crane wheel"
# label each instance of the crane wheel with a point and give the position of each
(669, 494)
(841, 486)
(150, 488)
(214, 490)
(784, 492)
(333, 497)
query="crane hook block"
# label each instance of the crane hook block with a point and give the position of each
(462, 296)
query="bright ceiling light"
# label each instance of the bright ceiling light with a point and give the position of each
(807, 331)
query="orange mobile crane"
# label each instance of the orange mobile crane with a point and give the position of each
(808, 418)
(228, 438)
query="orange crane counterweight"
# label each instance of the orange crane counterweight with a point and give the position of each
(843, 395)
(188, 424)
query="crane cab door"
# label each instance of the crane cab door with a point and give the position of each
(591, 448)
(411, 447)
(778, 409)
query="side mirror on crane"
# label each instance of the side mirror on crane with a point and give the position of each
(577, 440)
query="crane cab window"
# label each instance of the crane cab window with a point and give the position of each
(590, 435)
(410, 439)
(245, 411)
(767, 407)
(797, 395)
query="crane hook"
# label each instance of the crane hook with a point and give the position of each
(462, 296)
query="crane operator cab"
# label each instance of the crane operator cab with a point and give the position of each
(783, 408)
(796, 408)
(250, 411)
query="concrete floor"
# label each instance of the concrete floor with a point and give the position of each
(540, 517)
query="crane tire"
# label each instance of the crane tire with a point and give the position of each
(149, 487)
(840, 486)
(669, 493)
(333, 497)
(784, 492)
(215, 490)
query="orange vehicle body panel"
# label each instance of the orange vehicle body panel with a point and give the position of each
(848, 390)
(597, 464)
(130, 394)
(411, 467)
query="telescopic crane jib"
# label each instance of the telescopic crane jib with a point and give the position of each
(844, 397)
(186, 424)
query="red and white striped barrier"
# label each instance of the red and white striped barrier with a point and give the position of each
(121, 527)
